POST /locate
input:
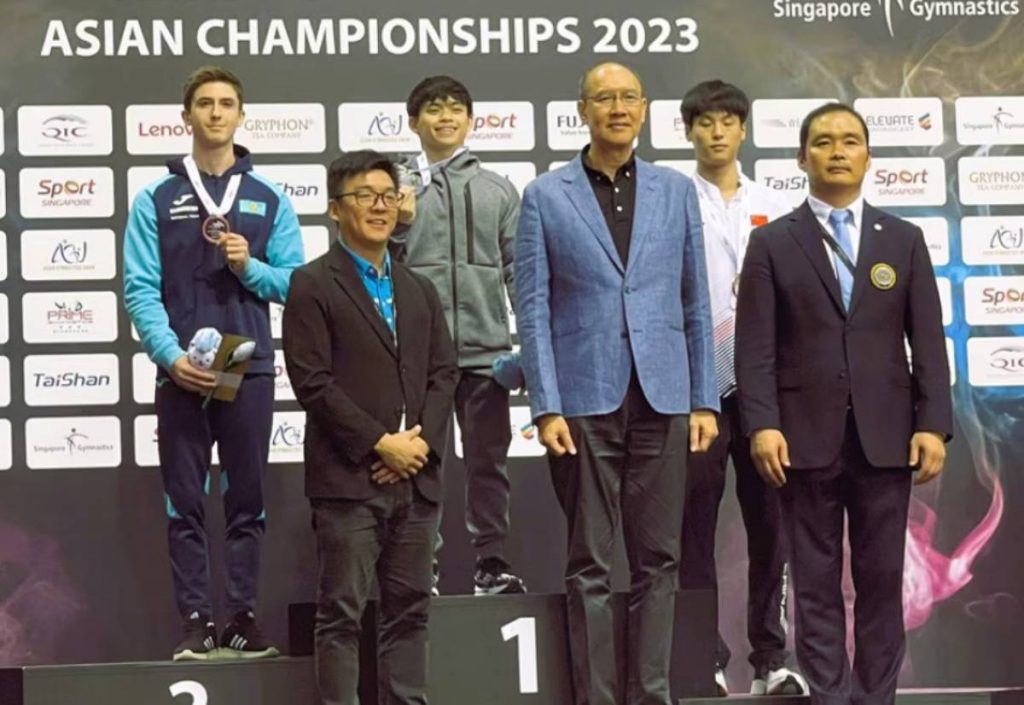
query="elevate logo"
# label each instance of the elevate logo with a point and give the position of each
(380, 126)
(73, 442)
(283, 128)
(994, 301)
(906, 182)
(991, 180)
(784, 177)
(71, 380)
(501, 127)
(65, 130)
(777, 121)
(304, 184)
(936, 237)
(990, 120)
(156, 129)
(59, 255)
(995, 362)
(902, 122)
(992, 239)
(667, 128)
(53, 192)
(69, 317)
(287, 437)
(519, 173)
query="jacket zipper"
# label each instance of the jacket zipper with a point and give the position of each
(454, 262)
(469, 226)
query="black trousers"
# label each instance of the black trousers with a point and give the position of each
(241, 430)
(629, 471)
(767, 549)
(875, 502)
(481, 405)
(385, 541)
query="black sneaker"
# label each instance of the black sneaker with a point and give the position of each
(492, 578)
(200, 642)
(242, 639)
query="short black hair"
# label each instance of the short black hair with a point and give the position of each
(826, 109)
(437, 88)
(359, 162)
(712, 97)
(209, 74)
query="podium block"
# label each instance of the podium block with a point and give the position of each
(513, 649)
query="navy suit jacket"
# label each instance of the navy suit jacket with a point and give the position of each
(802, 361)
(585, 321)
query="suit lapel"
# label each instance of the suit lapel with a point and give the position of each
(581, 195)
(348, 277)
(869, 253)
(806, 230)
(644, 209)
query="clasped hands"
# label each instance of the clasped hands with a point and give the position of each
(402, 455)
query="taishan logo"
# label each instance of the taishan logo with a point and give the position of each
(927, 10)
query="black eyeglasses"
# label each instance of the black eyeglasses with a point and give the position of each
(368, 199)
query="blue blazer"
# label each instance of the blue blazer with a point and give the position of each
(585, 321)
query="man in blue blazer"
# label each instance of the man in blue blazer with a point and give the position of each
(836, 419)
(615, 324)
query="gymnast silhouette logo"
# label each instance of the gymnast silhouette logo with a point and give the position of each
(74, 440)
(999, 118)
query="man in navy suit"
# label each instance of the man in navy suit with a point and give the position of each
(827, 297)
(615, 324)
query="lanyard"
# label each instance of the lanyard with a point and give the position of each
(209, 204)
(834, 246)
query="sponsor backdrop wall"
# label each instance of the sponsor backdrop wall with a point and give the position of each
(90, 112)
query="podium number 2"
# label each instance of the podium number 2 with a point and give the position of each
(191, 688)
(525, 630)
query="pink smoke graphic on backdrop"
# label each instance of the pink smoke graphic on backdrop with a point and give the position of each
(37, 601)
(929, 576)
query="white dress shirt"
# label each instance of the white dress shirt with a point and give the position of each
(822, 211)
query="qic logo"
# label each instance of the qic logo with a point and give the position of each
(65, 128)
(995, 361)
(56, 130)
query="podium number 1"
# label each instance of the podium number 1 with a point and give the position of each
(525, 630)
(194, 690)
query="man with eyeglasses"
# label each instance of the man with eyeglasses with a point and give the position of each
(371, 361)
(462, 240)
(615, 323)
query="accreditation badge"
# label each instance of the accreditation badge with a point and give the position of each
(883, 276)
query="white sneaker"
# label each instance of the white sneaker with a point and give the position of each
(723, 687)
(781, 681)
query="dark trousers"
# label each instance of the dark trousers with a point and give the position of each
(875, 502)
(481, 405)
(385, 541)
(766, 542)
(629, 471)
(241, 430)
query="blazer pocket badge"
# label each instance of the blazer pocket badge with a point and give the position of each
(883, 276)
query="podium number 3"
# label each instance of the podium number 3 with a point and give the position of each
(191, 688)
(525, 630)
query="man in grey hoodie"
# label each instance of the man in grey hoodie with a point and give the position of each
(462, 240)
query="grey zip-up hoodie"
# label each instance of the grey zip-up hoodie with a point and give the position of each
(463, 240)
